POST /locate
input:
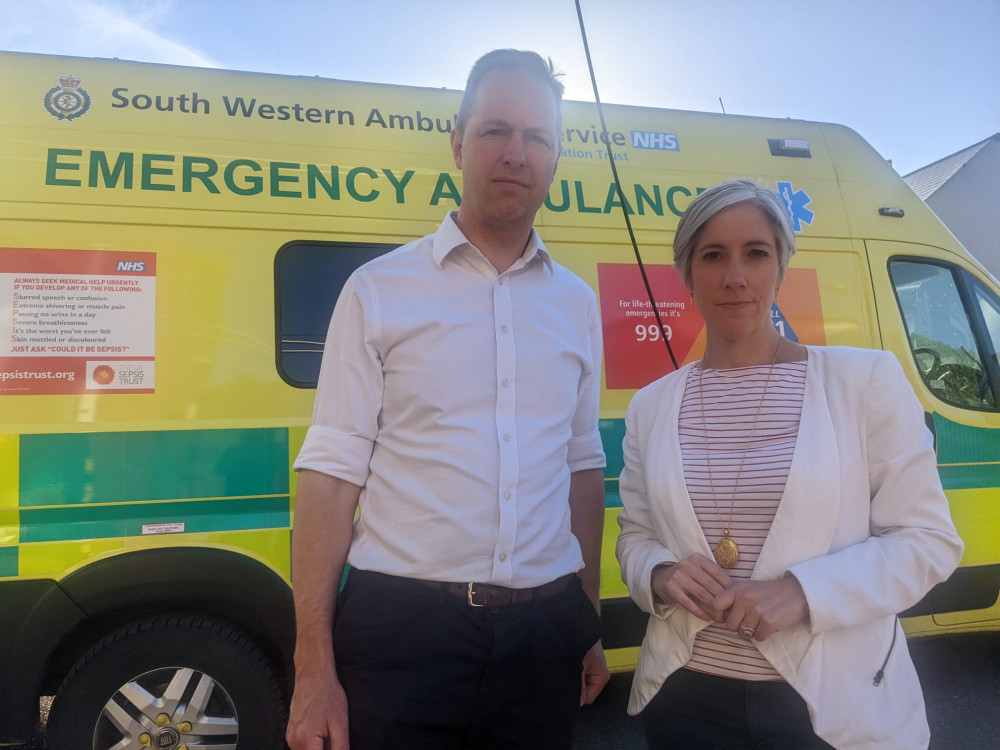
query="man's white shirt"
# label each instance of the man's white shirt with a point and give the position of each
(460, 400)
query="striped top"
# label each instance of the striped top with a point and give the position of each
(744, 501)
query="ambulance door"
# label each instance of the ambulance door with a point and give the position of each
(940, 316)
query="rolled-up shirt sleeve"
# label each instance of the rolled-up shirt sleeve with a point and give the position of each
(349, 392)
(585, 449)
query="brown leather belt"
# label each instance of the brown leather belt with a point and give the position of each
(489, 595)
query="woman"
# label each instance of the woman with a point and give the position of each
(781, 505)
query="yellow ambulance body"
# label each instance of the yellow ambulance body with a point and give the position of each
(172, 242)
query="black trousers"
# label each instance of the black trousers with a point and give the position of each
(424, 670)
(697, 711)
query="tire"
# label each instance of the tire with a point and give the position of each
(177, 679)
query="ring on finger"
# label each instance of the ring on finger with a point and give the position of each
(747, 630)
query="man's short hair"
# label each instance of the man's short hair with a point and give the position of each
(510, 59)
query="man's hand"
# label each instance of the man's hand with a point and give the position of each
(595, 674)
(318, 715)
(586, 504)
(694, 583)
(324, 512)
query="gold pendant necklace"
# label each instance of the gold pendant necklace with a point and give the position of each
(727, 552)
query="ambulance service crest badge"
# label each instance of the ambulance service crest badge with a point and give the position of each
(68, 100)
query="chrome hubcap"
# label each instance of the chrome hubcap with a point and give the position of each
(168, 709)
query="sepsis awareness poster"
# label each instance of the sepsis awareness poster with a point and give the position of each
(76, 321)
(634, 352)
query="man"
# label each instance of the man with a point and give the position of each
(457, 408)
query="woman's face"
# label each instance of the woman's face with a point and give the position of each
(734, 272)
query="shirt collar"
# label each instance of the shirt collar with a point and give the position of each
(449, 237)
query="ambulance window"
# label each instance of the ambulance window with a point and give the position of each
(989, 306)
(308, 278)
(941, 333)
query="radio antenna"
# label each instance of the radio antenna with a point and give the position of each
(621, 194)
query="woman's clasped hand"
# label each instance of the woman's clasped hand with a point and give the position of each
(752, 609)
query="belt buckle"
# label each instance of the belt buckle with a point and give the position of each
(471, 593)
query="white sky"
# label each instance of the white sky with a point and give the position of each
(918, 79)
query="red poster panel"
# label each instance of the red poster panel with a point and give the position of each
(634, 352)
(23, 376)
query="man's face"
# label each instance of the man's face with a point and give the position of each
(509, 151)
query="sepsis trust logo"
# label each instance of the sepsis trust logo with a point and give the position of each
(104, 375)
(119, 375)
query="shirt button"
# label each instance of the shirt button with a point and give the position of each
(500, 281)
(503, 329)
(506, 438)
(503, 556)
(506, 382)
(506, 495)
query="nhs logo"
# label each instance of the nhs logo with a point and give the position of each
(131, 265)
(654, 140)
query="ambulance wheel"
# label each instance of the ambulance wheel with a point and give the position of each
(169, 682)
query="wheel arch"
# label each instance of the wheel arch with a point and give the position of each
(197, 580)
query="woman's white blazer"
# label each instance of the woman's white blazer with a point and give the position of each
(863, 524)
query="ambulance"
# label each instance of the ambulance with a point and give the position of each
(172, 243)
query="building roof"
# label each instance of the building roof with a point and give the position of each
(926, 180)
